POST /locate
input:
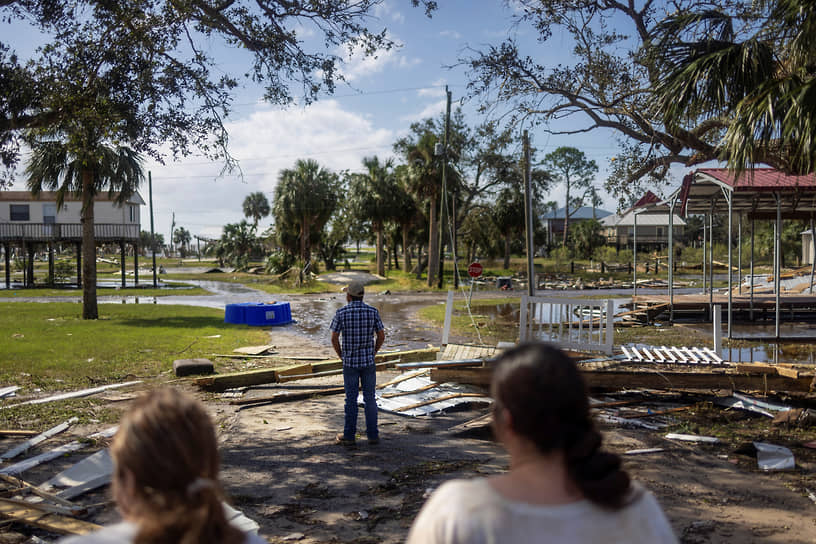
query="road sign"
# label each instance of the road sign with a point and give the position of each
(475, 270)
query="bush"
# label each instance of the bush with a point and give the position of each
(279, 262)
(606, 254)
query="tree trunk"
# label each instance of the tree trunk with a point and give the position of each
(566, 217)
(304, 240)
(507, 251)
(89, 308)
(378, 229)
(406, 250)
(433, 244)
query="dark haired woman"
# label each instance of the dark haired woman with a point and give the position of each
(561, 487)
(165, 480)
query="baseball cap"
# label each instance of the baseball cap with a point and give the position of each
(355, 289)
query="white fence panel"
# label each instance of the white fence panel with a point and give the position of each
(579, 324)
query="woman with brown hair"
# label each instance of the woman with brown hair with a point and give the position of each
(165, 479)
(561, 486)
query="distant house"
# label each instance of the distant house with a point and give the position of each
(28, 222)
(652, 227)
(555, 220)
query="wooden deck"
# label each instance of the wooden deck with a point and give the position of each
(792, 306)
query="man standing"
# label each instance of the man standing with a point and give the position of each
(359, 324)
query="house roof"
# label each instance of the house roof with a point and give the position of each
(759, 179)
(51, 196)
(584, 212)
(645, 200)
(627, 219)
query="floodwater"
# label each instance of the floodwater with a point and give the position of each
(313, 313)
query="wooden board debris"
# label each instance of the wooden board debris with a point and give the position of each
(74, 394)
(254, 350)
(288, 397)
(618, 380)
(37, 517)
(11, 432)
(270, 375)
(76, 445)
(30, 443)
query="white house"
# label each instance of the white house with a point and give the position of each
(27, 221)
(652, 227)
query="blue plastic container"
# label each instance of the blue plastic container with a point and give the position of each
(264, 315)
(235, 313)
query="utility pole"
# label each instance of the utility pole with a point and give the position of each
(152, 234)
(528, 212)
(172, 231)
(443, 197)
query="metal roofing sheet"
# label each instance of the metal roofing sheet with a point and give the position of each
(414, 394)
(759, 178)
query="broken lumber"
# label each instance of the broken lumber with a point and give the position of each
(31, 514)
(9, 432)
(440, 399)
(288, 397)
(271, 375)
(289, 378)
(59, 451)
(74, 394)
(31, 442)
(618, 380)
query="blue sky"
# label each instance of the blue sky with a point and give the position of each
(383, 97)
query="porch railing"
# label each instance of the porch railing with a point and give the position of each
(65, 232)
(579, 324)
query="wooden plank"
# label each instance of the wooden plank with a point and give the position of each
(222, 382)
(31, 442)
(74, 394)
(294, 377)
(402, 378)
(8, 432)
(30, 488)
(403, 393)
(618, 380)
(756, 368)
(254, 350)
(288, 396)
(294, 370)
(36, 517)
(439, 399)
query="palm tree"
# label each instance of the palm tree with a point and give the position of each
(182, 238)
(305, 198)
(758, 88)
(372, 194)
(256, 207)
(83, 166)
(424, 181)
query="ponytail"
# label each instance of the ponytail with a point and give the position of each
(546, 396)
(597, 473)
(197, 518)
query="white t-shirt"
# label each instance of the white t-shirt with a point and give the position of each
(125, 532)
(472, 512)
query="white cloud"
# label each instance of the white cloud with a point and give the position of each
(356, 66)
(435, 90)
(431, 110)
(451, 34)
(265, 142)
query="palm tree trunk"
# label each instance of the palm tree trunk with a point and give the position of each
(433, 244)
(507, 251)
(89, 308)
(406, 251)
(304, 240)
(566, 217)
(378, 230)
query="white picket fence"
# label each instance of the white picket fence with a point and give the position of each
(579, 324)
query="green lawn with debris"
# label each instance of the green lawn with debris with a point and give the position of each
(49, 345)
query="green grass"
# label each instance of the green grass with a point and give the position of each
(49, 346)
(495, 319)
(176, 290)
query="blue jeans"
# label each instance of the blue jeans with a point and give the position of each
(352, 378)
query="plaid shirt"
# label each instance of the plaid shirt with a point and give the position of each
(357, 323)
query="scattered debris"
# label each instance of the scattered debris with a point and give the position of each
(32, 462)
(74, 394)
(693, 438)
(254, 350)
(8, 391)
(773, 457)
(643, 451)
(92, 472)
(32, 514)
(53, 431)
(418, 395)
(803, 417)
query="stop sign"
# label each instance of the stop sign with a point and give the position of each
(475, 270)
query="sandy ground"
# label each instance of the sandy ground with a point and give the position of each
(283, 469)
